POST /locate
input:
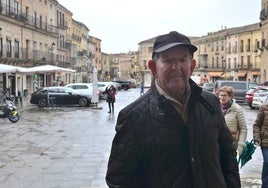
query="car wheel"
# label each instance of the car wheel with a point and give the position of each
(42, 102)
(83, 102)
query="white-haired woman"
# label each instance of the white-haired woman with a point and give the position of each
(234, 117)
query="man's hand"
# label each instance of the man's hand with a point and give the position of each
(239, 150)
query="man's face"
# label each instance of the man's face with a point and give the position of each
(173, 70)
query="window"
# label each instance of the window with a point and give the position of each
(27, 11)
(17, 49)
(263, 43)
(212, 47)
(257, 44)
(242, 61)
(8, 6)
(16, 8)
(235, 63)
(235, 47)
(248, 46)
(242, 46)
(1, 47)
(8, 48)
(35, 19)
(40, 21)
(248, 61)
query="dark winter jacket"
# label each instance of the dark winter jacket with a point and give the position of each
(260, 126)
(110, 94)
(154, 148)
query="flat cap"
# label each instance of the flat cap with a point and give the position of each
(172, 39)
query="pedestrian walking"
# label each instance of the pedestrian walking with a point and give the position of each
(234, 117)
(260, 137)
(111, 91)
(175, 135)
(142, 89)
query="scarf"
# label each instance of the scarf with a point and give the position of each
(226, 106)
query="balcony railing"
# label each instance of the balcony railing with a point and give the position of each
(28, 55)
(9, 11)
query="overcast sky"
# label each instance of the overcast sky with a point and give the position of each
(122, 24)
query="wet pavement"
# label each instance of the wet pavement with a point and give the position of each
(70, 146)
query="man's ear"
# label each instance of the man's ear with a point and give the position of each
(152, 66)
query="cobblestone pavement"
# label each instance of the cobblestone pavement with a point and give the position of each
(69, 147)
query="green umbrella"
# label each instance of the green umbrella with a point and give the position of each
(247, 153)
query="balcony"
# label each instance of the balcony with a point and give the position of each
(29, 57)
(37, 23)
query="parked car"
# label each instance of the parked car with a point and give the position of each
(250, 94)
(83, 88)
(240, 88)
(116, 85)
(133, 83)
(125, 84)
(209, 86)
(260, 98)
(264, 83)
(103, 85)
(60, 95)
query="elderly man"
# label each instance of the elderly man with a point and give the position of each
(175, 135)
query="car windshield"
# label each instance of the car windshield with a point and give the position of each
(251, 85)
(209, 84)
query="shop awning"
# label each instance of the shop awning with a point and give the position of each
(12, 69)
(49, 68)
(241, 74)
(226, 75)
(255, 73)
(215, 74)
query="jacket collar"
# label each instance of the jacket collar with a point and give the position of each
(194, 97)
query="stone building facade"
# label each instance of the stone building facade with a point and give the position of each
(263, 50)
(230, 53)
(39, 32)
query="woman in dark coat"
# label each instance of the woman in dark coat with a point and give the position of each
(111, 97)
